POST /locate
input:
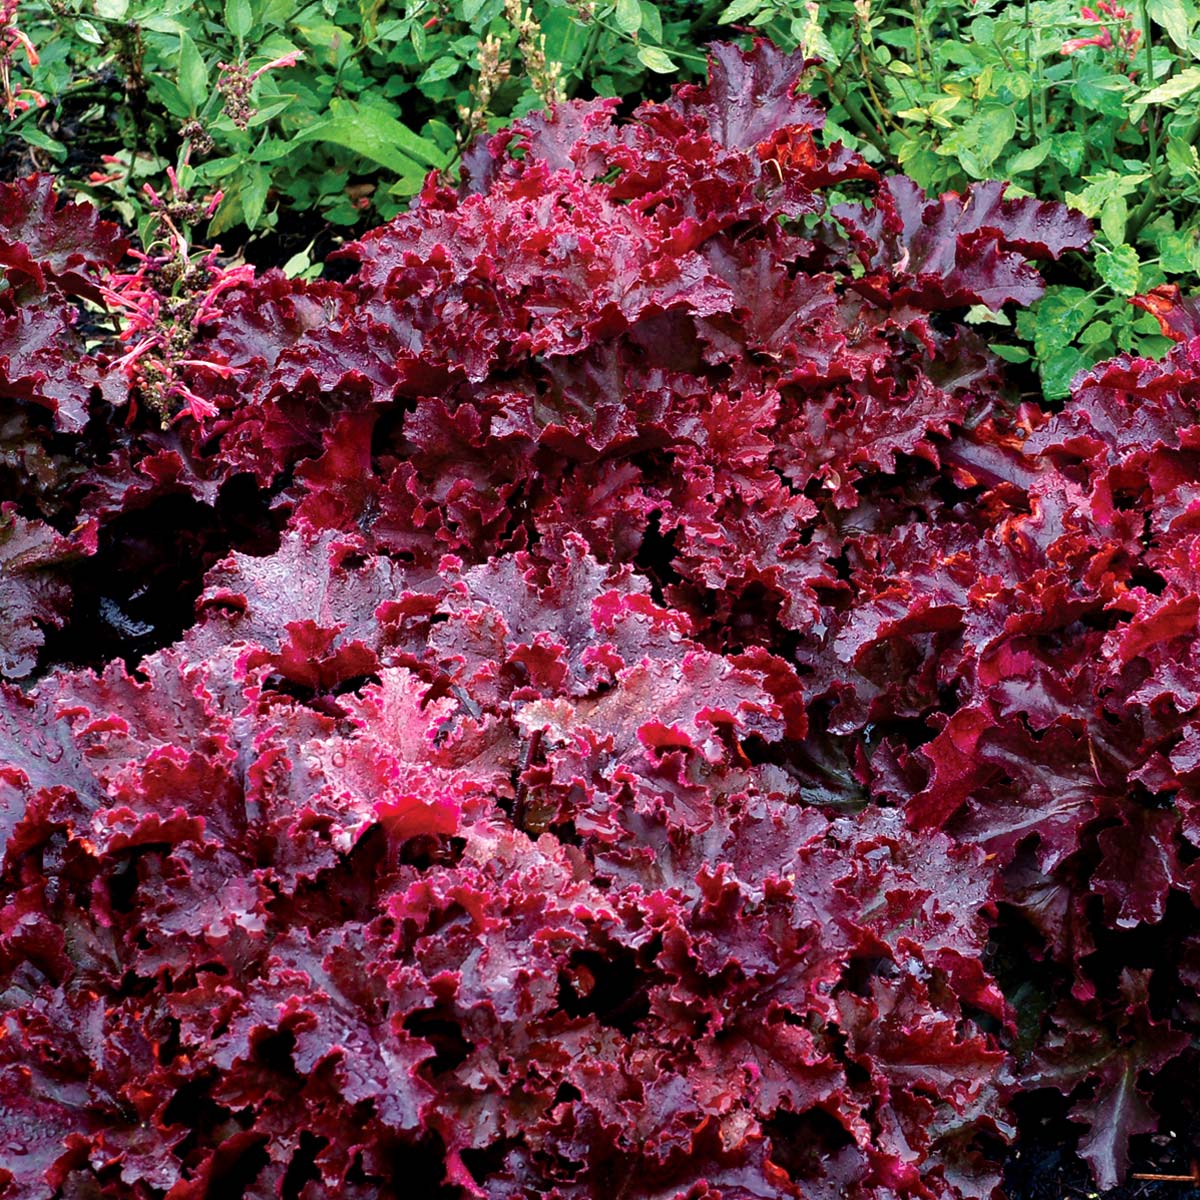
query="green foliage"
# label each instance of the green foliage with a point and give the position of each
(368, 98)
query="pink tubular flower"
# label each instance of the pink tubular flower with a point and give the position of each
(18, 37)
(1116, 33)
(20, 99)
(197, 406)
(1103, 39)
(287, 60)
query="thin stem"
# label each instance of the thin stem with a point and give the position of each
(1153, 124)
(880, 107)
(1029, 63)
(674, 51)
(918, 17)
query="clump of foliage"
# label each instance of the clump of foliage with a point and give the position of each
(681, 727)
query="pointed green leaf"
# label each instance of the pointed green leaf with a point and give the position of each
(739, 10)
(1175, 16)
(1029, 158)
(657, 60)
(1012, 354)
(375, 135)
(1175, 88)
(254, 196)
(441, 68)
(193, 74)
(629, 16)
(239, 17)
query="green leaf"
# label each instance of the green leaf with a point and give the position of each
(441, 68)
(377, 136)
(168, 93)
(1069, 150)
(1178, 251)
(982, 138)
(656, 59)
(219, 168)
(157, 23)
(1102, 93)
(193, 74)
(1175, 16)
(1029, 158)
(1012, 354)
(254, 197)
(1059, 317)
(112, 10)
(1096, 334)
(271, 149)
(739, 10)
(1113, 217)
(35, 137)
(1058, 369)
(1104, 197)
(651, 20)
(440, 134)
(239, 17)
(1178, 86)
(1183, 159)
(331, 43)
(264, 114)
(470, 9)
(298, 264)
(89, 33)
(628, 16)
(566, 39)
(416, 35)
(1120, 269)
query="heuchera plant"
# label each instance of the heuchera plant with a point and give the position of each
(679, 731)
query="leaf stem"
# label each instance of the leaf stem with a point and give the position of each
(673, 52)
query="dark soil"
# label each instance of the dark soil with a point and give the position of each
(1044, 1165)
